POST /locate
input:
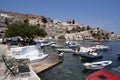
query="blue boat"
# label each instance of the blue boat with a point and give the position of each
(73, 44)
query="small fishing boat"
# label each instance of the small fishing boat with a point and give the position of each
(67, 42)
(72, 44)
(97, 65)
(91, 55)
(45, 42)
(102, 47)
(118, 54)
(64, 50)
(82, 50)
(56, 46)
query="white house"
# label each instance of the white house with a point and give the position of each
(118, 36)
(79, 36)
(70, 36)
(35, 21)
(5, 15)
(86, 35)
(113, 37)
(57, 21)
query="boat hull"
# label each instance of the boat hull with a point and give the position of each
(88, 56)
(118, 55)
(102, 75)
(97, 65)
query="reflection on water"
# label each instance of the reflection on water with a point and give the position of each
(72, 69)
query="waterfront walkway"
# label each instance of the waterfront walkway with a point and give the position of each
(5, 73)
(49, 62)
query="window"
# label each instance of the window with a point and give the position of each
(102, 77)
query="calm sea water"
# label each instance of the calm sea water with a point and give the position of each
(72, 69)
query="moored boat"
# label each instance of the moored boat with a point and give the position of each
(82, 50)
(67, 42)
(72, 44)
(45, 42)
(102, 47)
(118, 54)
(33, 52)
(97, 65)
(64, 50)
(102, 75)
(56, 46)
(92, 55)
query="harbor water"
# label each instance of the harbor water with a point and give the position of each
(72, 68)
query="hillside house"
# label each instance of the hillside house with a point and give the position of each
(86, 35)
(35, 21)
(113, 37)
(5, 15)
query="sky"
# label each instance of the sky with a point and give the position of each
(96, 13)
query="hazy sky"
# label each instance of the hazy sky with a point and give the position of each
(96, 13)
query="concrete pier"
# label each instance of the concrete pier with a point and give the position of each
(51, 61)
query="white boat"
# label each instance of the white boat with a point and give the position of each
(64, 50)
(73, 44)
(67, 42)
(34, 53)
(97, 65)
(52, 42)
(45, 42)
(56, 46)
(101, 47)
(81, 50)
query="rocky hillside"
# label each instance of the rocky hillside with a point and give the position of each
(20, 15)
(54, 28)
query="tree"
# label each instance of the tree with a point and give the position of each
(91, 31)
(73, 22)
(97, 28)
(78, 28)
(102, 34)
(107, 35)
(83, 28)
(96, 36)
(44, 20)
(6, 21)
(24, 30)
(62, 37)
(26, 21)
(112, 32)
(73, 30)
(88, 27)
